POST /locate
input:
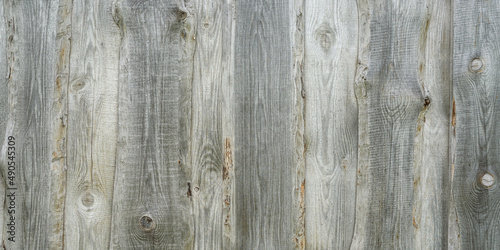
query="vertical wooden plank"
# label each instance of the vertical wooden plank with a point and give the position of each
(476, 120)
(209, 25)
(92, 125)
(4, 112)
(149, 184)
(263, 156)
(59, 124)
(431, 157)
(331, 122)
(297, 41)
(391, 98)
(229, 239)
(31, 58)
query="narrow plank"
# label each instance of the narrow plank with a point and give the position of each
(92, 125)
(31, 58)
(263, 155)
(150, 184)
(475, 92)
(228, 123)
(331, 122)
(59, 125)
(297, 41)
(431, 159)
(388, 83)
(206, 139)
(4, 112)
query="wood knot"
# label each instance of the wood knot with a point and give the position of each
(427, 101)
(78, 85)
(146, 223)
(476, 65)
(487, 180)
(88, 200)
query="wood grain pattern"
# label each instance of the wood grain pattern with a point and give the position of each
(4, 111)
(30, 35)
(388, 75)
(263, 144)
(229, 239)
(331, 123)
(206, 139)
(475, 92)
(59, 125)
(149, 183)
(431, 159)
(92, 125)
(263, 124)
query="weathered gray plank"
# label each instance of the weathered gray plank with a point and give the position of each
(206, 145)
(391, 98)
(476, 120)
(331, 122)
(431, 158)
(299, 185)
(92, 124)
(150, 185)
(263, 155)
(59, 124)
(30, 34)
(228, 209)
(4, 111)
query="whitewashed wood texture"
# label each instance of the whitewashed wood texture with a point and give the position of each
(251, 124)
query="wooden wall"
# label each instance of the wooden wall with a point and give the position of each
(250, 124)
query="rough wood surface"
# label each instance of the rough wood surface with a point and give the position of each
(431, 159)
(476, 120)
(206, 144)
(30, 55)
(267, 124)
(393, 96)
(263, 142)
(331, 122)
(149, 183)
(92, 125)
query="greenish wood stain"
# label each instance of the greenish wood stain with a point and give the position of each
(249, 124)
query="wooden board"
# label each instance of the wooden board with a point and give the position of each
(263, 160)
(92, 125)
(392, 97)
(208, 21)
(476, 119)
(150, 186)
(225, 124)
(431, 146)
(29, 34)
(330, 123)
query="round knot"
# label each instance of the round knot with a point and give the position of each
(146, 223)
(476, 65)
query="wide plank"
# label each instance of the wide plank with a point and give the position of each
(29, 32)
(431, 183)
(391, 98)
(476, 119)
(208, 26)
(150, 185)
(92, 125)
(263, 149)
(331, 122)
